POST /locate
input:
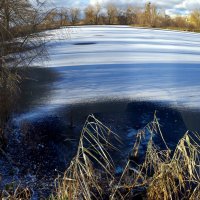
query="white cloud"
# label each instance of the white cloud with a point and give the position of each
(189, 5)
(68, 3)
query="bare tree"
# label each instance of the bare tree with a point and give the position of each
(130, 15)
(50, 21)
(165, 20)
(150, 15)
(63, 16)
(180, 22)
(195, 18)
(121, 17)
(154, 16)
(89, 15)
(97, 10)
(74, 15)
(147, 14)
(20, 44)
(92, 14)
(112, 11)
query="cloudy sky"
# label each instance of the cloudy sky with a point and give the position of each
(172, 7)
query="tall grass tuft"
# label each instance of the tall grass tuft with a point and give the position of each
(15, 193)
(91, 171)
(162, 174)
(178, 177)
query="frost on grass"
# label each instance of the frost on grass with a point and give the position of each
(162, 175)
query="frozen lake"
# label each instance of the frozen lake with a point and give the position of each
(120, 62)
(120, 74)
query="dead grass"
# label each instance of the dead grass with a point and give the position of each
(15, 193)
(163, 174)
(92, 170)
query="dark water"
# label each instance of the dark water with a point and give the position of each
(75, 92)
(72, 93)
(177, 85)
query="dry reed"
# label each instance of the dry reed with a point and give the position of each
(162, 175)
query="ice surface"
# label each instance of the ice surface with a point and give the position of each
(122, 45)
(124, 62)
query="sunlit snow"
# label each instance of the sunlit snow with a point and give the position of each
(126, 61)
(99, 62)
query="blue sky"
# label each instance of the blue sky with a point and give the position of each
(172, 7)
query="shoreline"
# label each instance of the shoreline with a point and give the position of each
(52, 138)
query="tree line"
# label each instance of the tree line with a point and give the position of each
(147, 16)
